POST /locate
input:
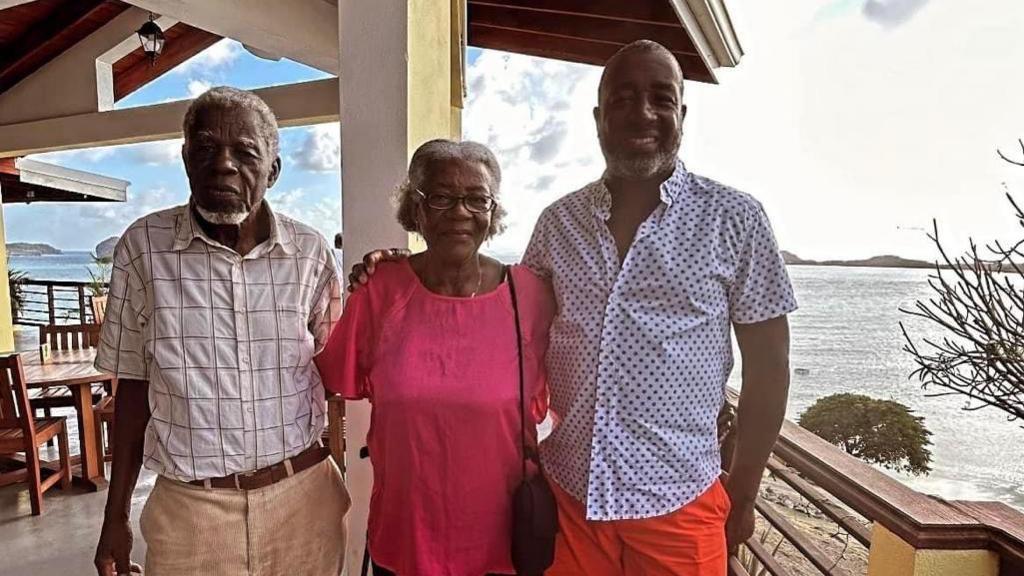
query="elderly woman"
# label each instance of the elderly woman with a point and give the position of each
(431, 342)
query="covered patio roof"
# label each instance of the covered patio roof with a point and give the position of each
(590, 31)
(32, 34)
(65, 63)
(26, 181)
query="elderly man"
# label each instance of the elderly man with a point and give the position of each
(653, 268)
(216, 311)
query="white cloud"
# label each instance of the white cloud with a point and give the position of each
(320, 150)
(217, 56)
(91, 155)
(197, 87)
(162, 153)
(119, 215)
(535, 115)
(853, 136)
(321, 210)
(892, 13)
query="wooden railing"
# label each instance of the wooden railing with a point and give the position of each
(856, 497)
(54, 302)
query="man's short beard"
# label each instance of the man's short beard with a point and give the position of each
(642, 167)
(223, 218)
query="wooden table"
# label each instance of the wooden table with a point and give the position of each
(74, 369)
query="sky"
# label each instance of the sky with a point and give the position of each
(854, 122)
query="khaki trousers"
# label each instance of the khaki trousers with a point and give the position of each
(296, 526)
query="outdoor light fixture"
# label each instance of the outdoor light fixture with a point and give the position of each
(152, 38)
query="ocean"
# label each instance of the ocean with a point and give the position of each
(66, 266)
(845, 338)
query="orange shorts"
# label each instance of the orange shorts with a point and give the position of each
(688, 542)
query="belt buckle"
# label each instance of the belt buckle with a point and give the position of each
(249, 474)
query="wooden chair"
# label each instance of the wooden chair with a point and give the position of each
(70, 336)
(21, 432)
(104, 413)
(65, 337)
(99, 308)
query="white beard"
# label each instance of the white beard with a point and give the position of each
(223, 218)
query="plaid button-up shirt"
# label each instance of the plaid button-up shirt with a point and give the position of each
(225, 341)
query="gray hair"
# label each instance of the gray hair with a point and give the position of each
(440, 150)
(642, 46)
(233, 98)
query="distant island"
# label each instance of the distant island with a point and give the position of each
(105, 249)
(31, 249)
(887, 261)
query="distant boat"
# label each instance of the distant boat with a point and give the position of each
(801, 371)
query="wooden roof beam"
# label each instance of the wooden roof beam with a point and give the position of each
(61, 30)
(580, 26)
(649, 12)
(135, 70)
(569, 48)
(305, 32)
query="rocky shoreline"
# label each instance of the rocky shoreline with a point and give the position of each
(31, 249)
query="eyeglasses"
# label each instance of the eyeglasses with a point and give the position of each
(441, 202)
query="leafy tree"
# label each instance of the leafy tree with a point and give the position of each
(879, 431)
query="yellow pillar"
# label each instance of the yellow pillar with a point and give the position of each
(6, 321)
(891, 556)
(436, 70)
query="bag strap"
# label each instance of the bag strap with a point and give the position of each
(519, 354)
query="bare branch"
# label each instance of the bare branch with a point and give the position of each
(1015, 162)
(978, 302)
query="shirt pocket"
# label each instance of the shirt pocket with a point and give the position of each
(294, 334)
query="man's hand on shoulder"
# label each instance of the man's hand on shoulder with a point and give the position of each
(363, 271)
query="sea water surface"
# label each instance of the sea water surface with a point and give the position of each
(70, 265)
(845, 338)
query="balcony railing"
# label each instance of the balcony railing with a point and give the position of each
(54, 302)
(878, 513)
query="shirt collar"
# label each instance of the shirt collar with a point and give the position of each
(671, 190)
(187, 229)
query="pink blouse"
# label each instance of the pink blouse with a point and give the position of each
(442, 375)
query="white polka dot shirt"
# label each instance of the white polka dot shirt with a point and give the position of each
(639, 355)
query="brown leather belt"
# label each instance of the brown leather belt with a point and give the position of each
(264, 477)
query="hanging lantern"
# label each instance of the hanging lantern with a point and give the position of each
(152, 39)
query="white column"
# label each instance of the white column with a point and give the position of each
(374, 127)
(396, 92)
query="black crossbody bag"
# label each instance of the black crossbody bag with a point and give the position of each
(534, 511)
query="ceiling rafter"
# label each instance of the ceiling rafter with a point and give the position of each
(65, 25)
(135, 70)
(585, 31)
(596, 29)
